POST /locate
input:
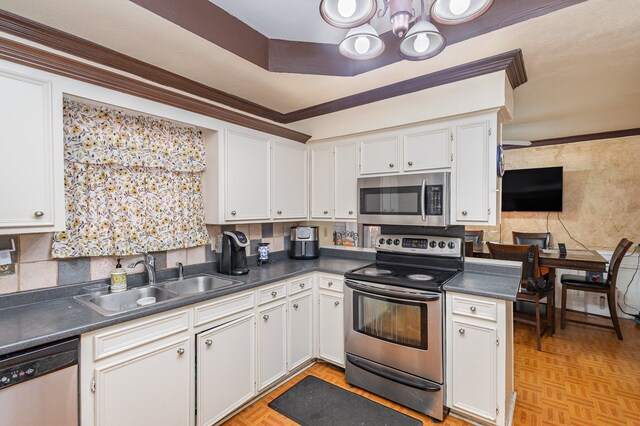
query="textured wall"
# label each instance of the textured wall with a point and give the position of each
(601, 193)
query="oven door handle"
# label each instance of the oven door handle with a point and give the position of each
(394, 376)
(390, 293)
(422, 198)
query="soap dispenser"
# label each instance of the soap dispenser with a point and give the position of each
(118, 278)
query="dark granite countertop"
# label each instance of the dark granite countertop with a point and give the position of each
(33, 324)
(488, 278)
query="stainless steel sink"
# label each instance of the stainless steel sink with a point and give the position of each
(117, 303)
(199, 285)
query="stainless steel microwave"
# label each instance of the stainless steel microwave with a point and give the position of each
(420, 199)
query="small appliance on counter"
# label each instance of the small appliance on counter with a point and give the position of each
(263, 254)
(234, 255)
(304, 242)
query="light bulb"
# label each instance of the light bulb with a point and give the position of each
(458, 7)
(421, 43)
(346, 8)
(362, 45)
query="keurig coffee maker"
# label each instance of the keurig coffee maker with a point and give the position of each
(234, 255)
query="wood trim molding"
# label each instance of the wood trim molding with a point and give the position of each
(512, 62)
(50, 62)
(581, 138)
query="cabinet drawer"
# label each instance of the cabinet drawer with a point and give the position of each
(300, 285)
(272, 293)
(475, 308)
(329, 283)
(133, 336)
(222, 308)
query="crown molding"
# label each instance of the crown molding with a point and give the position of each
(614, 134)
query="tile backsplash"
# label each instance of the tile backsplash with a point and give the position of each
(33, 267)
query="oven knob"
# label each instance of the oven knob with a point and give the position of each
(441, 244)
(433, 244)
(381, 241)
(389, 241)
(452, 245)
(396, 242)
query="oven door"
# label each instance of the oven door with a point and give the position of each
(397, 327)
(404, 200)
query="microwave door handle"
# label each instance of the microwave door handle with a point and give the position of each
(422, 200)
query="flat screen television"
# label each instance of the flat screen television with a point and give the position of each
(532, 190)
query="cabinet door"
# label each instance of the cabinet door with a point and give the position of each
(322, 182)
(289, 168)
(272, 344)
(226, 369)
(471, 188)
(379, 156)
(300, 330)
(331, 328)
(247, 177)
(473, 368)
(346, 185)
(26, 153)
(151, 389)
(427, 148)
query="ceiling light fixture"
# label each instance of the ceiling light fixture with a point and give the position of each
(420, 38)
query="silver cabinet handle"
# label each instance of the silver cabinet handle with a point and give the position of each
(461, 331)
(330, 283)
(279, 211)
(350, 211)
(180, 351)
(274, 293)
(233, 212)
(410, 163)
(295, 306)
(337, 302)
(301, 285)
(472, 308)
(391, 165)
(208, 342)
(265, 317)
(464, 212)
(326, 212)
(38, 214)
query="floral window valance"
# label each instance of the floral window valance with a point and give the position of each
(133, 184)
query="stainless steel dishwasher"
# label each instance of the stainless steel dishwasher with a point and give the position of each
(40, 386)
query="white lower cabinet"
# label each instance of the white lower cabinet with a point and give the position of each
(150, 388)
(272, 343)
(300, 329)
(479, 357)
(331, 327)
(226, 358)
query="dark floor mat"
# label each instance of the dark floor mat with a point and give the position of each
(314, 402)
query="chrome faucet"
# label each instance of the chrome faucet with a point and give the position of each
(150, 264)
(180, 270)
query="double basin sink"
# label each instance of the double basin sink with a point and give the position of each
(125, 301)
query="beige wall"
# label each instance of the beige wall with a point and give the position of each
(601, 193)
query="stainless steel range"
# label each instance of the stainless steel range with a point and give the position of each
(394, 320)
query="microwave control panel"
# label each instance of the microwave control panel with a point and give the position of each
(434, 200)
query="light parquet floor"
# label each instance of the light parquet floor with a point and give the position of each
(583, 376)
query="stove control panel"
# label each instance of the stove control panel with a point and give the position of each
(421, 244)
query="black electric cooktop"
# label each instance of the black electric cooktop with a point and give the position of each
(424, 278)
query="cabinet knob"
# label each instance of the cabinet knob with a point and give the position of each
(337, 302)
(274, 293)
(472, 308)
(330, 283)
(301, 285)
(461, 331)
(180, 351)
(233, 212)
(265, 317)
(464, 212)
(38, 214)
(295, 306)
(391, 165)
(279, 211)
(350, 211)
(208, 342)
(326, 212)
(410, 163)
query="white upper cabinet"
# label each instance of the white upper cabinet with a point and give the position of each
(27, 156)
(289, 183)
(427, 147)
(380, 155)
(346, 180)
(247, 172)
(322, 181)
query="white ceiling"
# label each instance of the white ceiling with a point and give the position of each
(582, 61)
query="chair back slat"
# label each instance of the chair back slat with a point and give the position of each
(475, 237)
(518, 253)
(616, 259)
(541, 239)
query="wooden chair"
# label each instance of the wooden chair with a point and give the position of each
(520, 253)
(541, 239)
(608, 288)
(474, 236)
(468, 249)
